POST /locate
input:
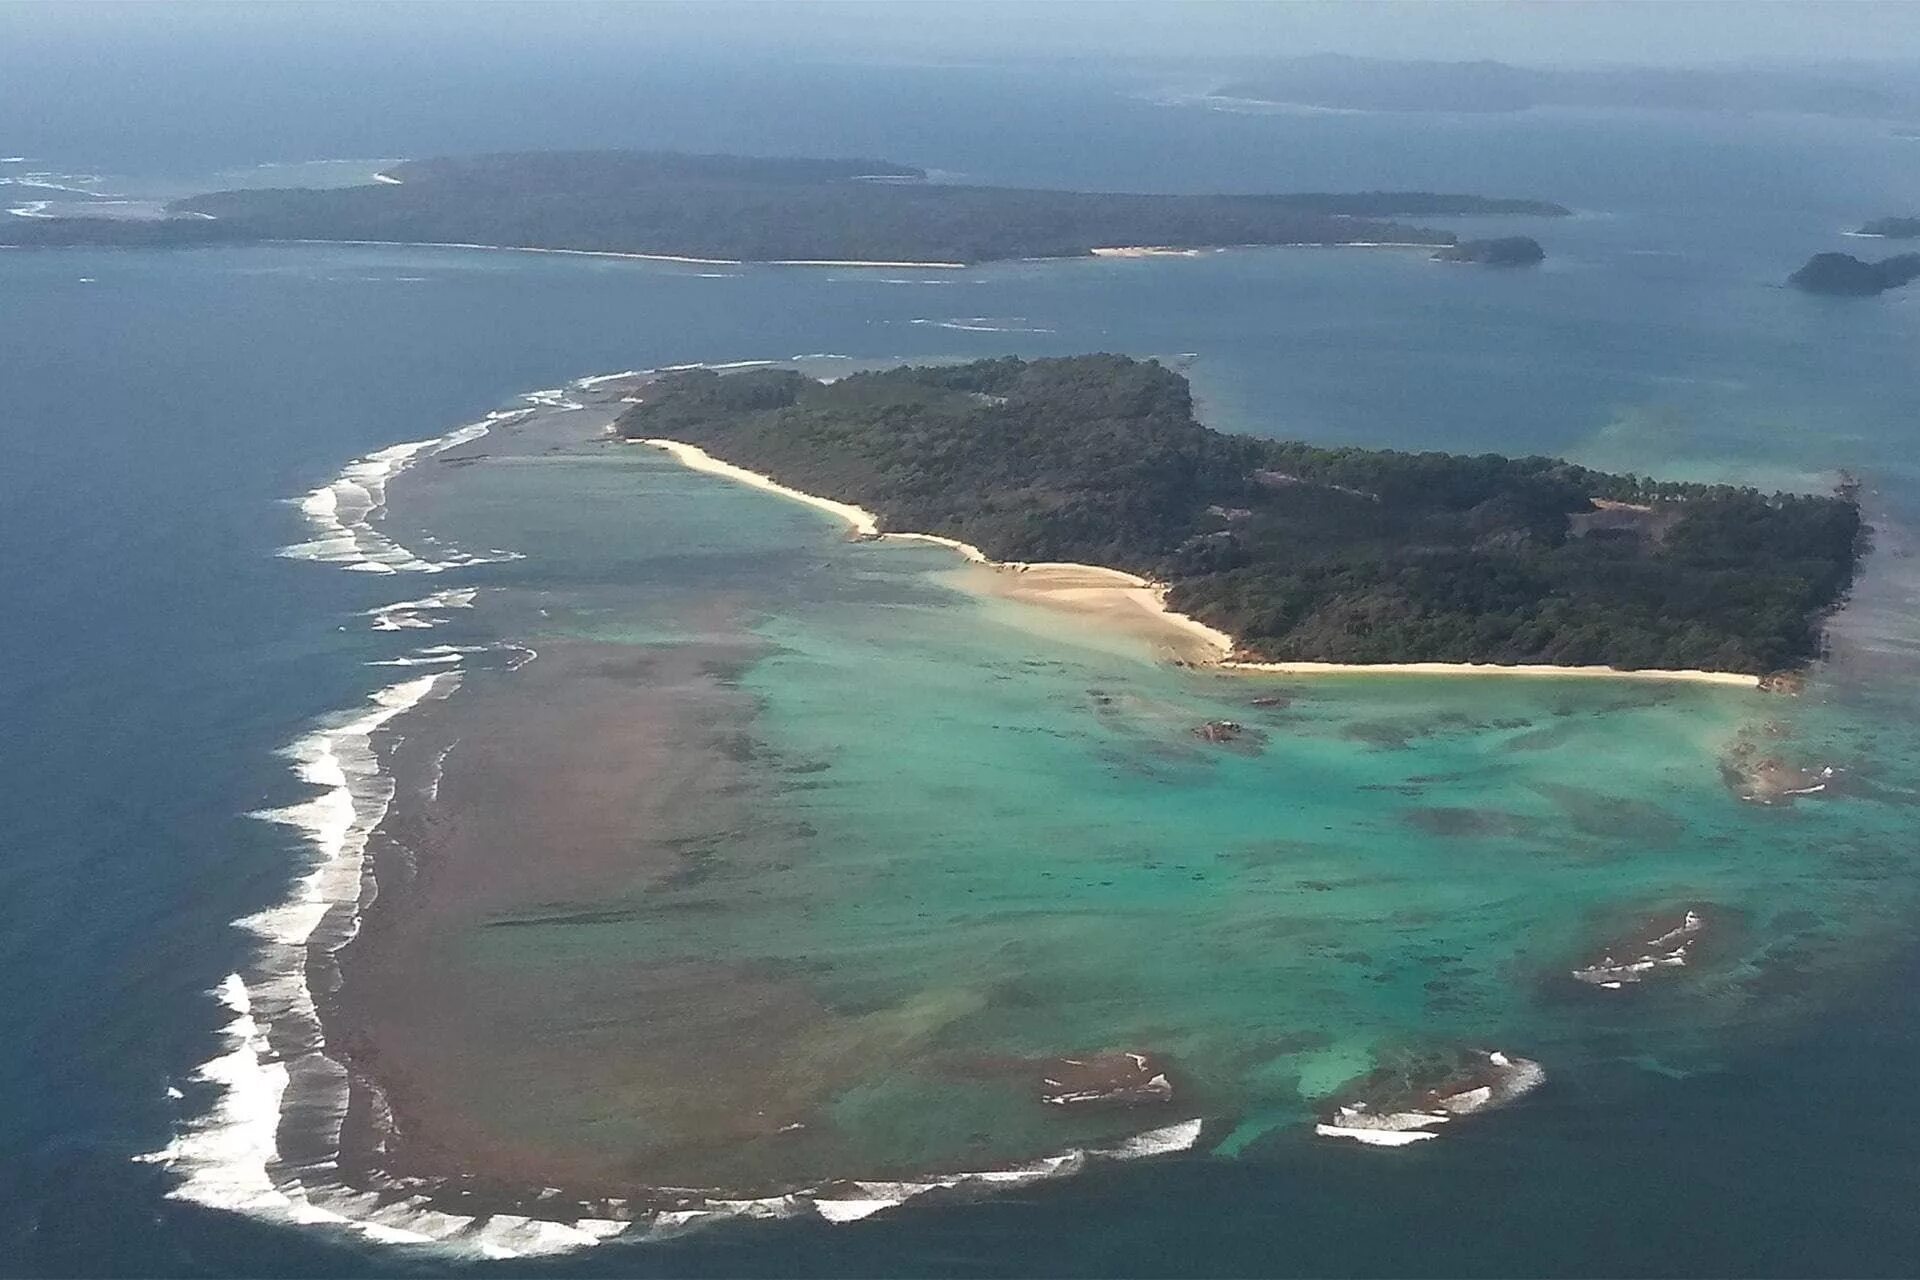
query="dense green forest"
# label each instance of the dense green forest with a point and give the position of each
(1503, 251)
(1340, 555)
(734, 207)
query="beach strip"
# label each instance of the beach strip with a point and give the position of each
(1085, 589)
(637, 257)
(1536, 669)
(1096, 591)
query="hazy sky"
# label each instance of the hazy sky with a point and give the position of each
(1535, 31)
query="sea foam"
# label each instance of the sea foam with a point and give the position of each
(274, 1087)
(418, 615)
(342, 512)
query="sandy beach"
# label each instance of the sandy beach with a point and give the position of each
(1137, 606)
(637, 257)
(519, 248)
(1537, 669)
(857, 262)
(1110, 599)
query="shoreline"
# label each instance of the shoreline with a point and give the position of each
(1093, 590)
(628, 254)
(1735, 679)
(301, 1136)
(1048, 582)
(1101, 252)
(244, 1154)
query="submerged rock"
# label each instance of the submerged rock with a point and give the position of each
(1394, 1108)
(1766, 777)
(1220, 731)
(1123, 1079)
(1660, 947)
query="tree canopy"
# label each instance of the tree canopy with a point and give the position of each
(760, 209)
(1301, 552)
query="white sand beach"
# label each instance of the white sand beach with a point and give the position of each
(1138, 605)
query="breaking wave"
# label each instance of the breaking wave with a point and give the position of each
(986, 324)
(265, 1139)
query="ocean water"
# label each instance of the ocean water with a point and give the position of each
(1015, 845)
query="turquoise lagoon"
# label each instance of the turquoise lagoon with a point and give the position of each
(982, 832)
(1750, 1119)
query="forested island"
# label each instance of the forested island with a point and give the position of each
(1892, 228)
(1844, 275)
(1301, 553)
(735, 208)
(1504, 251)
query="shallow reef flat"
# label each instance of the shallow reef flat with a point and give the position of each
(791, 867)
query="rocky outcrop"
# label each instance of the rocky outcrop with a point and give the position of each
(1845, 276)
(1394, 1107)
(1659, 948)
(1120, 1079)
(1502, 251)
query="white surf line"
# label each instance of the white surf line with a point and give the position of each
(341, 513)
(41, 181)
(1514, 1078)
(853, 262)
(518, 248)
(411, 615)
(982, 324)
(854, 1199)
(686, 259)
(228, 1157)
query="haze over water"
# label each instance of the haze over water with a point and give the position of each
(1404, 859)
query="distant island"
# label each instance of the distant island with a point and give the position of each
(744, 209)
(1338, 82)
(1505, 251)
(1844, 275)
(1892, 228)
(1299, 553)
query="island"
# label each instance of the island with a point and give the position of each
(1505, 251)
(1843, 275)
(1342, 83)
(1294, 552)
(1892, 228)
(747, 209)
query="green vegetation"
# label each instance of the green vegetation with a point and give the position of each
(733, 207)
(1844, 275)
(1506, 251)
(1341, 555)
(1893, 228)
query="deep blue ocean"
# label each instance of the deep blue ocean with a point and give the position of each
(160, 408)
